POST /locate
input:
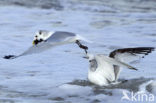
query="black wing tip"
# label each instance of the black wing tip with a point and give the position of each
(136, 50)
(9, 57)
(146, 48)
(135, 69)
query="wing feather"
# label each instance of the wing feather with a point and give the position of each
(131, 54)
(60, 36)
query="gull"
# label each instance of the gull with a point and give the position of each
(45, 40)
(104, 70)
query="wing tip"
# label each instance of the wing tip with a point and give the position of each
(9, 57)
(136, 50)
(135, 69)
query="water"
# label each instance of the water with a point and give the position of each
(60, 74)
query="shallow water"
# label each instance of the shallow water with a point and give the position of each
(60, 74)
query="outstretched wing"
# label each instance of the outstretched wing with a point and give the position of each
(114, 61)
(129, 55)
(60, 36)
(31, 50)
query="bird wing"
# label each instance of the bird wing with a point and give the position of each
(116, 62)
(36, 49)
(32, 50)
(60, 36)
(130, 54)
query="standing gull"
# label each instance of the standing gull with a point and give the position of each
(44, 40)
(104, 70)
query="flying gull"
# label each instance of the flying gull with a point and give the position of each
(45, 40)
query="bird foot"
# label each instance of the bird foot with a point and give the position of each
(82, 46)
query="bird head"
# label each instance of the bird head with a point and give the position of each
(41, 36)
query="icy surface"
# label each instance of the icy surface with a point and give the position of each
(60, 74)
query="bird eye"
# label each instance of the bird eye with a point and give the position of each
(36, 36)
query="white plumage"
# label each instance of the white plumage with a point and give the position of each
(45, 40)
(100, 71)
(104, 70)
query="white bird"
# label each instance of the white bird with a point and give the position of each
(44, 40)
(104, 70)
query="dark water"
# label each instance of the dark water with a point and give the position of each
(113, 6)
(45, 4)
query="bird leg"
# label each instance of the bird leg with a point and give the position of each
(82, 46)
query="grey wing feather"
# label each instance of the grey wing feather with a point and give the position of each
(130, 54)
(60, 36)
(37, 49)
(138, 50)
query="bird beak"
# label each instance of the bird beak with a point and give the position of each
(33, 42)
